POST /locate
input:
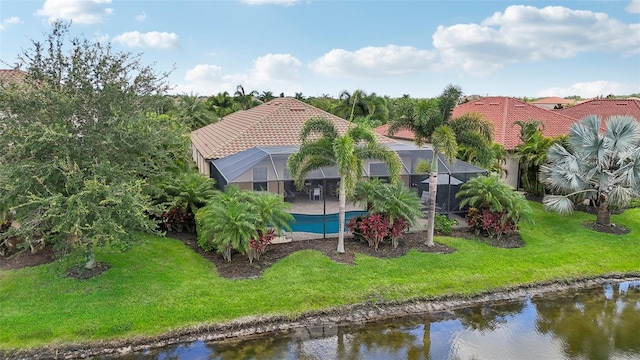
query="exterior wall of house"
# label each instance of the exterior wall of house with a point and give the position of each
(512, 168)
(203, 165)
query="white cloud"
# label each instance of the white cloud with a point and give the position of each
(272, 72)
(526, 33)
(9, 21)
(371, 62)
(633, 7)
(590, 89)
(141, 17)
(100, 37)
(270, 2)
(80, 11)
(153, 39)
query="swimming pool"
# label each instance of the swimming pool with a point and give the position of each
(321, 224)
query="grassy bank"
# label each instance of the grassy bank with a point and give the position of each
(162, 285)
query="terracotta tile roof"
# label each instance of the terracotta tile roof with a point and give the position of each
(401, 134)
(274, 123)
(553, 101)
(11, 76)
(604, 108)
(502, 112)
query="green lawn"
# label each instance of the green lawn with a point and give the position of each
(162, 285)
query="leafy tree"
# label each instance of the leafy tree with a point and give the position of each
(222, 104)
(322, 146)
(192, 111)
(434, 124)
(79, 148)
(601, 166)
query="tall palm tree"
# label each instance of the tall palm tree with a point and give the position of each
(604, 167)
(267, 96)
(434, 124)
(323, 146)
(193, 112)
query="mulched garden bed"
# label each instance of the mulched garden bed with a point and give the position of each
(240, 268)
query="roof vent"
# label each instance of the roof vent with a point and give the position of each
(297, 109)
(519, 105)
(621, 103)
(494, 103)
(479, 103)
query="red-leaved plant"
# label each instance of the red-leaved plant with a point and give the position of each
(259, 246)
(375, 228)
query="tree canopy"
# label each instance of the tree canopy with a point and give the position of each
(81, 143)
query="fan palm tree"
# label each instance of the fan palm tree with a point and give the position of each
(434, 124)
(323, 146)
(192, 111)
(604, 167)
(222, 103)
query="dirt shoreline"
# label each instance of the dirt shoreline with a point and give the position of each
(353, 314)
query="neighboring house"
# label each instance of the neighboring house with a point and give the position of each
(605, 108)
(553, 103)
(11, 76)
(503, 112)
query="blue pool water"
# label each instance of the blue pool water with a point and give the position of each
(315, 223)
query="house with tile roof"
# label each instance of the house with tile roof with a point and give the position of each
(553, 102)
(503, 112)
(275, 123)
(604, 108)
(250, 149)
(11, 76)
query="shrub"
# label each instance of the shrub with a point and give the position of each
(443, 225)
(179, 219)
(490, 223)
(375, 229)
(258, 246)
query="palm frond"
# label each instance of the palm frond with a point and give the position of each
(558, 203)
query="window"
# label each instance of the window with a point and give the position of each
(260, 178)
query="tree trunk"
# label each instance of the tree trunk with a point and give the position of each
(604, 215)
(89, 256)
(431, 206)
(342, 199)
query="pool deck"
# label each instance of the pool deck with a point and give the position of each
(303, 205)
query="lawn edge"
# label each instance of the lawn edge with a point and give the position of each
(249, 326)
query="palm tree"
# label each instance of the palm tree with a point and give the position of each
(244, 99)
(222, 103)
(603, 167)
(267, 96)
(531, 154)
(433, 123)
(193, 112)
(323, 146)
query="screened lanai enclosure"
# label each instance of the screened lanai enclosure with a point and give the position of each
(265, 169)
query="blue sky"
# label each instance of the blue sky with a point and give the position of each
(499, 47)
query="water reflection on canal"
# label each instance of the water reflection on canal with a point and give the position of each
(598, 323)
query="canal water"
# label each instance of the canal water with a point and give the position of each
(597, 323)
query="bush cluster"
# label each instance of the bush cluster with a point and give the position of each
(376, 228)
